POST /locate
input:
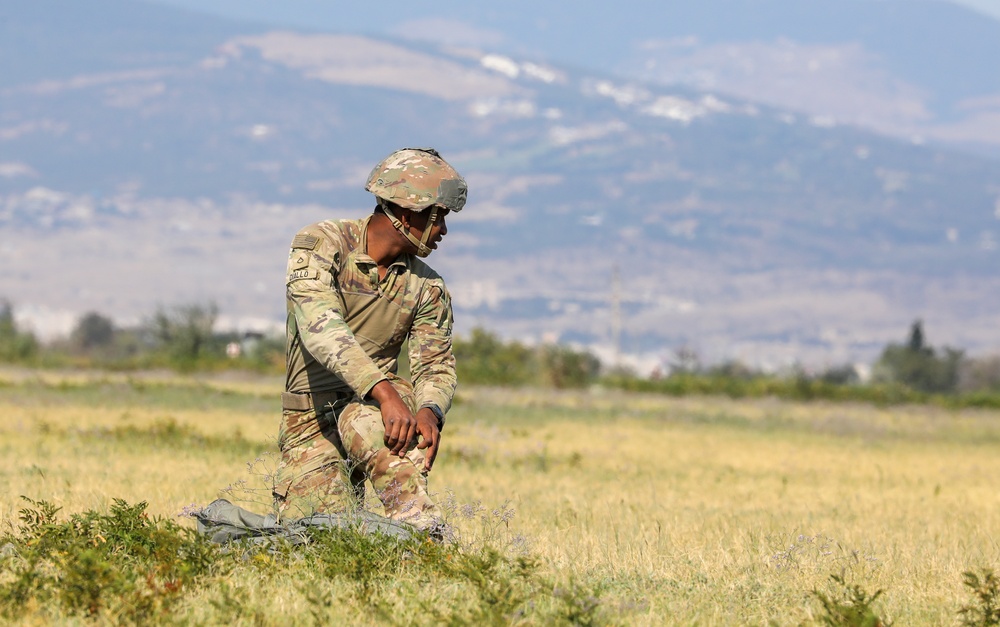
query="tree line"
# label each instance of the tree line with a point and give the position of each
(911, 371)
(184, 338)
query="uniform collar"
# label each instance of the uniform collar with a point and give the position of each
(361, 256)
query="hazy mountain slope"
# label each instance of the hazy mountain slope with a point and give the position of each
(906, 67)
(931, 43)
(742, 229)
(58, 39)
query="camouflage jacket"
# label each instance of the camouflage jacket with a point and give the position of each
(346, 327)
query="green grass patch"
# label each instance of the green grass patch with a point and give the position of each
(801, 389)
(137, 392)
(169, 433)
(123, 566)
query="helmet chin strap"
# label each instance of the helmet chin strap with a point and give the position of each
(421, 244)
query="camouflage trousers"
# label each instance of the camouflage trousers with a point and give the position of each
(327, 454)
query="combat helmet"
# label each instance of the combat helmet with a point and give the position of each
(417, 179)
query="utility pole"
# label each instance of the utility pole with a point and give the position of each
(616, 315)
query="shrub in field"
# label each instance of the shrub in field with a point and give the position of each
(985, 609)
(93, 330)
(96, 341)
(565, 367)
(184, 334)
(486, 359)
(122, 565)
(581, 605)
(849, 605)
(919, 366)
(980, 375)
(126, 567)
(431, 582)
(16, 345)
(365, 559)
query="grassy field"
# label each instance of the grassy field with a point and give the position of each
(588, 507)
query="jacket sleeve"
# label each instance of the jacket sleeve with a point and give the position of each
(318, 307)
(432, 364)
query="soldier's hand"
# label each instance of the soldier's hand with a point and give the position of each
(427, 428)
(400, 424)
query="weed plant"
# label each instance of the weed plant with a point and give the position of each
(126, 567)
(121, 565)
(984, 611)
(849, 605)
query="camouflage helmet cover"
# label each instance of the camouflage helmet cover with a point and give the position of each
(418, 178)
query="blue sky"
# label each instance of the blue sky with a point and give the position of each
(991, 7)
(297, 12)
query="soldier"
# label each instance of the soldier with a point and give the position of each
(356, 290)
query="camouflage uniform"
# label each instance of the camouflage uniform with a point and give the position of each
(344, 332)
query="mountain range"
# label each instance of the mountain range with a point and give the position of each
(907, 67)
(150, 155)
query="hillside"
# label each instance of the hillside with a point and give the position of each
(904, 67)
(165, 168)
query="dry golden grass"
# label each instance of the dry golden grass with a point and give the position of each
(682, 511)
(733, 511)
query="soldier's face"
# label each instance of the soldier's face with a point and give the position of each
(418, 224)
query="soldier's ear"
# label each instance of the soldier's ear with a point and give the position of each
(406, 217)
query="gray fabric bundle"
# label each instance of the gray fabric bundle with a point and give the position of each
(224, 522)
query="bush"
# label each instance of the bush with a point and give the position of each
(93, 330)
(125, 567)
(183, 334)
(121, 564)
(564, 367)
(487, 360)
(15, 345)
(849, 605)
(984, 611)
(979, 375)
(918, 366)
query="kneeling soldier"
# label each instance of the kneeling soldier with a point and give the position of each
(356, 290)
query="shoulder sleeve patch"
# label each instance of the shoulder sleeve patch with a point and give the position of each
(298, 260)
(304, 240)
